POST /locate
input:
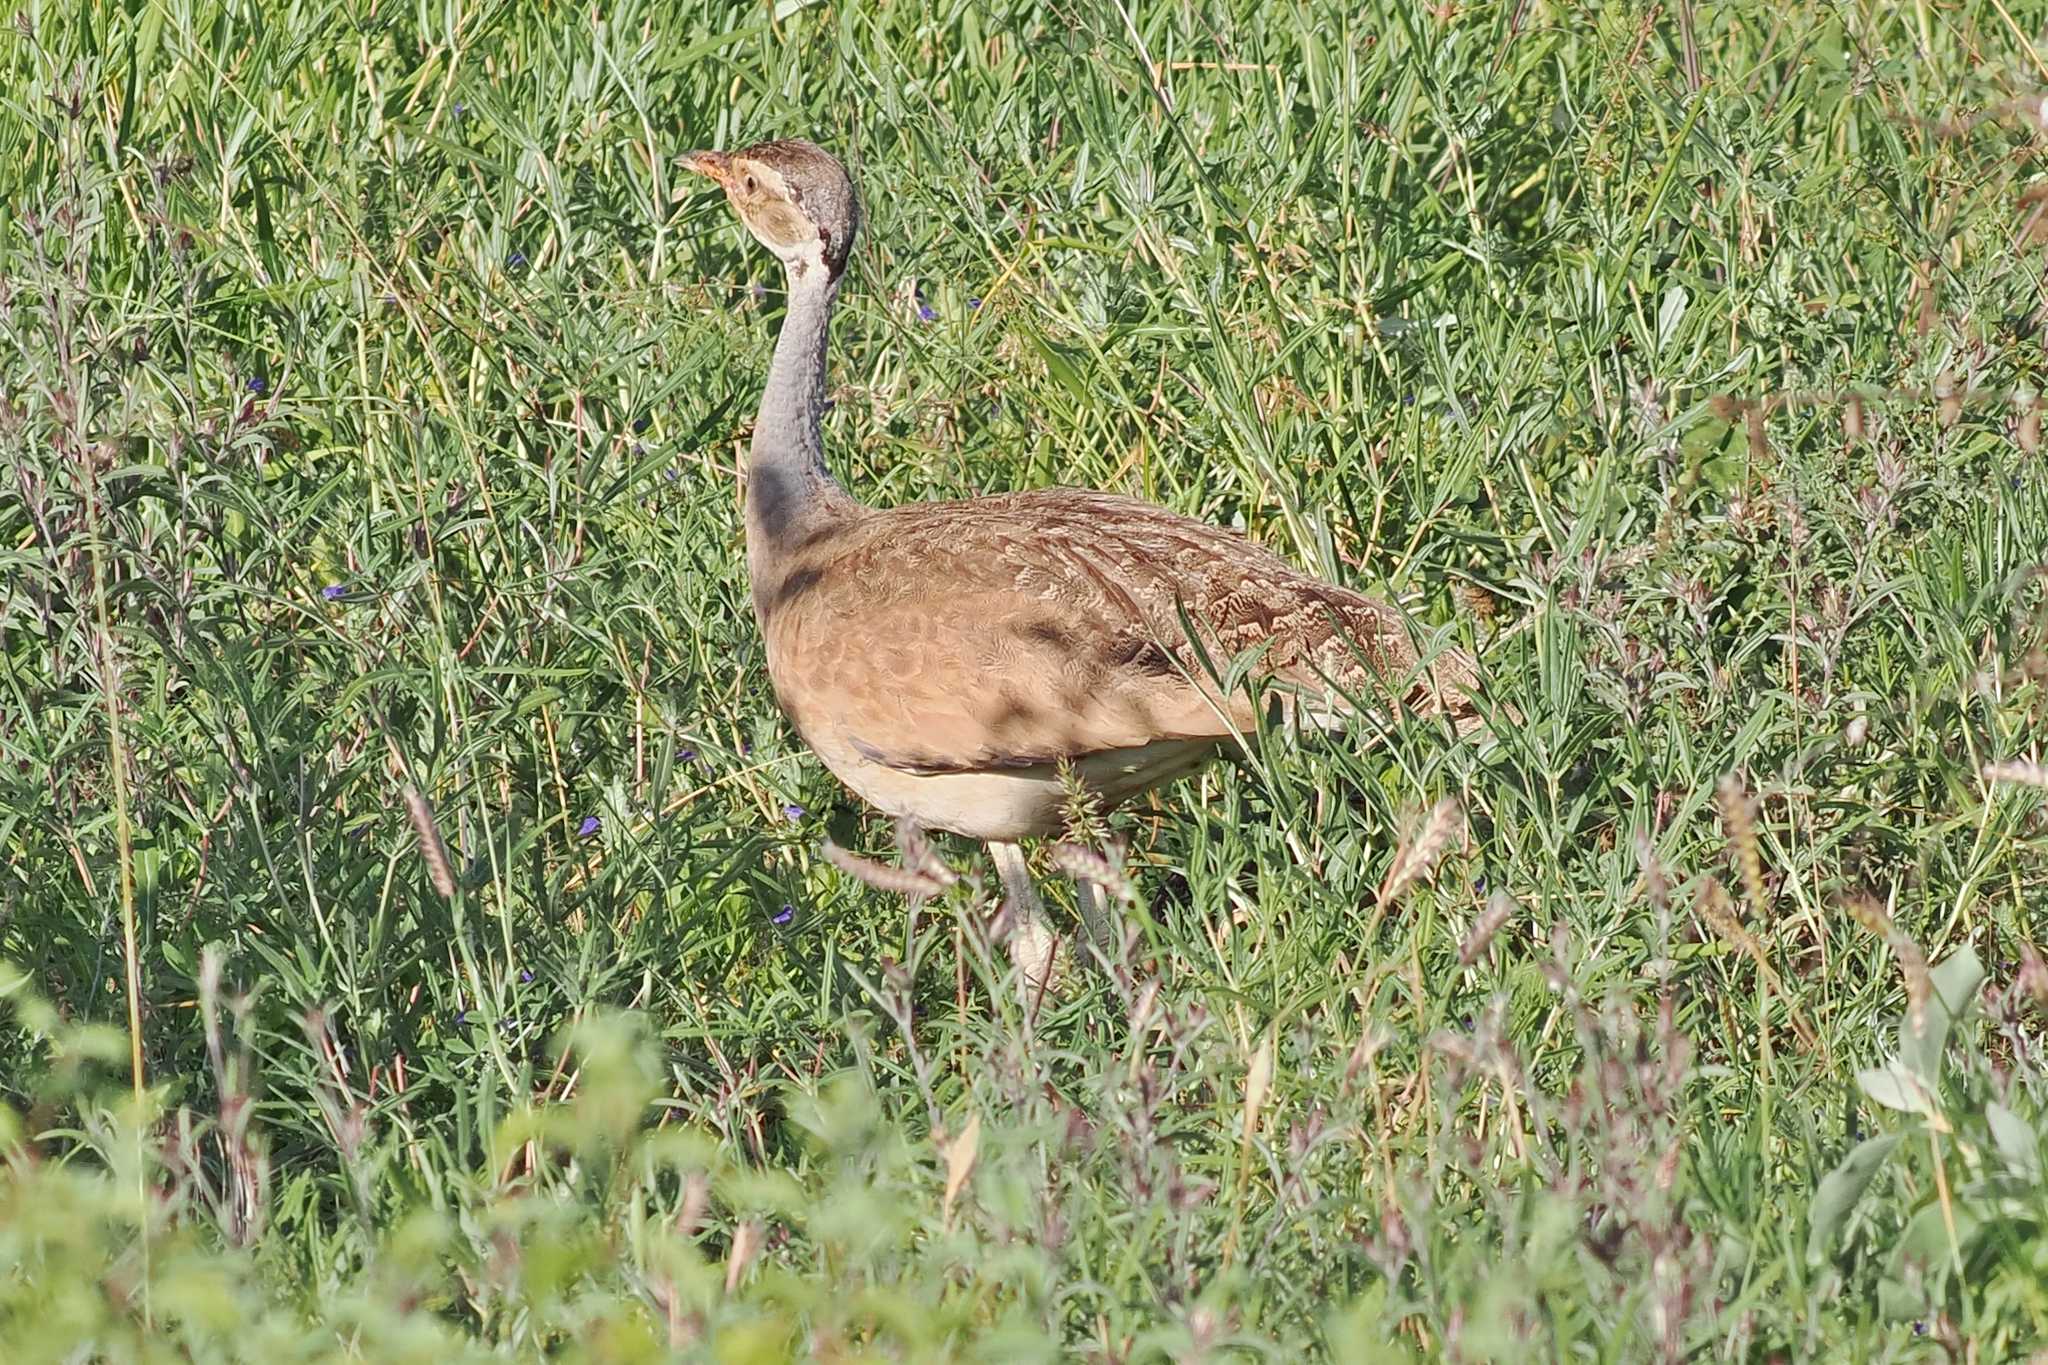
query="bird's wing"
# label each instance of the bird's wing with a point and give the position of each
(1034, 627)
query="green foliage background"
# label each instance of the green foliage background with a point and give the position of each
(372, 395)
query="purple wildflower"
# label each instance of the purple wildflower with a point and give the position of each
(461, 109)
(687, 754)
(792, 811)
(925, 313)
(525, 976)
(518, 259)
(784, 915)
(974, 303)
(591, 825)
(333, 592)
(258, 385)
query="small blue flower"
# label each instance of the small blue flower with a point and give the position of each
(591, 825)
(784, 915)
(258, 384)
(688, 754)
(792, 811)
(925, 313)
(518, 259)
(461, 109)
(974, 303)
(639, 425)
(462, 1016)
(333, 592)
(525, 977)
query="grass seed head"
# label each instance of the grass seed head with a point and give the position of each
(2033, 976)
(1718, 910)
(1500, 908)
(1738, 819)
(433, 851)
(1085, 864)
(2025, 772)
(1412, 863)
(895, 881)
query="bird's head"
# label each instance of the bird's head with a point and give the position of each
(794, 196)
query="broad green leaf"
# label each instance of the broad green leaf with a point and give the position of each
(2017, 1142)
(1896, 1088)
(1925, 1243)
(1839, 1189)
(1955, 987)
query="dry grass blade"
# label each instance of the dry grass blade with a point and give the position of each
(898, 881)
(1870, 912)
(1718, 910)
(1418, 856)
(960, 1153)
(433, 851)
(1258, 1081)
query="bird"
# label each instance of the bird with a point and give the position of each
(958, 664)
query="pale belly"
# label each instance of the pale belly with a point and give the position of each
(1009, 804)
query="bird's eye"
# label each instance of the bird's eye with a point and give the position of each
(749, 182)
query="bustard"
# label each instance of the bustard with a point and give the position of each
(945, 659)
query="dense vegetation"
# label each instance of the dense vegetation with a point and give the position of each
(391, 777)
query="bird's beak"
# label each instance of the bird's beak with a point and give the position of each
(716, 165)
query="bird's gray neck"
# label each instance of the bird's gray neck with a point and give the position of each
(789, 490)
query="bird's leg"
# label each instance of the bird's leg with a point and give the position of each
(1032, 942)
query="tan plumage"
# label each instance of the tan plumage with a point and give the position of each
(1006, 634)
(944, 659)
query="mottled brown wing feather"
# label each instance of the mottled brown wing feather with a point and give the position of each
(1032, 627)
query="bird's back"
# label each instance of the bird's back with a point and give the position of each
(1027, 628)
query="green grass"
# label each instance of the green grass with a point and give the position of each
(371, 399)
